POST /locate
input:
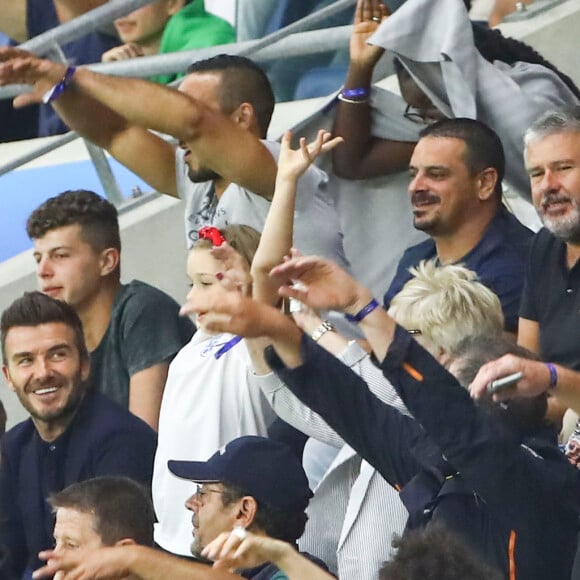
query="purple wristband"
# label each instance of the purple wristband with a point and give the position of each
(358, 93)
(58, 89)
(363, 312)
(553, 375)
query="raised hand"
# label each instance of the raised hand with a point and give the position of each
(323, 285)
(536, 378)
(236, 274)
(231, 551)
(369, 15)
(226, 311)
(21, 67)
(292, 163)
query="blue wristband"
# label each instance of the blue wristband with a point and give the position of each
(358, 93)
(553, 375)
(363, 312)
(58, 89)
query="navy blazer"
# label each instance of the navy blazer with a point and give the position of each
(102, 439)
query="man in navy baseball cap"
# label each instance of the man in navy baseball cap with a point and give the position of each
(253, 484)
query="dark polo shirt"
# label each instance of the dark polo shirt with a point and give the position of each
(499, 260)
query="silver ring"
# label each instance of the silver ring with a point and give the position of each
(375, 19)
(240, 532)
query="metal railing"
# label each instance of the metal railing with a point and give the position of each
(296, 39)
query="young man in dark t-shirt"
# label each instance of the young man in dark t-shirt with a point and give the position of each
(132, 330)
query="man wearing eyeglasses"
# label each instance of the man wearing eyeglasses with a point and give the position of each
(253, 484)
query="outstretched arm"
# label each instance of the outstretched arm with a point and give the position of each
(123, 562)
(323, 285)
(144, 153)
(123, 109)
(363, 155)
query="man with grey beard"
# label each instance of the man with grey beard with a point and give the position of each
(550, 312)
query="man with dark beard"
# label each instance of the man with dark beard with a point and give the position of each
(456, 170)
(225, 169)
(72, 434)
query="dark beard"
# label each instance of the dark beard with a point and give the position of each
(202, 175)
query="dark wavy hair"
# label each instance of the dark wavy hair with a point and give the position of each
(96, 216)
(242, 81)
(36, 308)
(435, 553)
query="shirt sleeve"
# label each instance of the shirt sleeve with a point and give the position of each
(289, 408)
(377, 432)
(152, 331)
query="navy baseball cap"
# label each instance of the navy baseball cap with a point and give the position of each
(266, 469)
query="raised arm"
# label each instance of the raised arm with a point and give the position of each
(122, 110)
(217, 142)
(123, 562)
(276, 238)
(144, 153)
(363, 155)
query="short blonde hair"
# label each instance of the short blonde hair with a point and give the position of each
(244, 239)
(446, 304)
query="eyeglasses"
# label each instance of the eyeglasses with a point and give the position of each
(200, 491)
(422, 116)
(414, 115)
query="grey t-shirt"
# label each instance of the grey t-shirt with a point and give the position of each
(316, 225)
(145, 329)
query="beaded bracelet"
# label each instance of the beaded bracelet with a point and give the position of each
(54, 92)
(363, 312)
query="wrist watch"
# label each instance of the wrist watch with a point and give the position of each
(322, 329)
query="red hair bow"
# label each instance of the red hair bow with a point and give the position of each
(212, 234)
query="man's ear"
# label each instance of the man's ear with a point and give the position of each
(247, 509)
(486, 182)
(85, 368)
(6, 373)
(110, 258)
(245, 116)
(126, 542)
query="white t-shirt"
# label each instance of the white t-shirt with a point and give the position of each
(316, 226)
(207, 402)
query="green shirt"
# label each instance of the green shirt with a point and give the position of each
(193, 27)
